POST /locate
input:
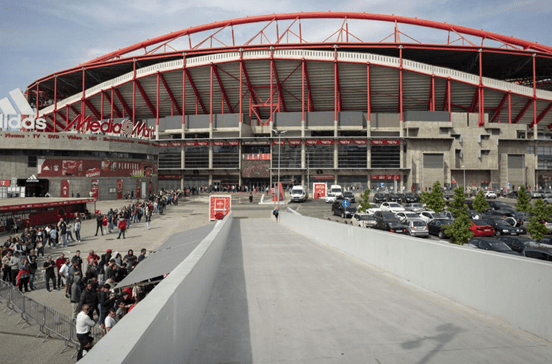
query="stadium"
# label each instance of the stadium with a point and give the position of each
(302, 98)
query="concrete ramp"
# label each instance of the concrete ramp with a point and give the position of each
(280, 297)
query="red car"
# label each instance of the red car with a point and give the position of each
(481, 228)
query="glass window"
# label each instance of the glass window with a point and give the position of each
(291, 156)
(385, 156)
(352, 156)
(226, 156)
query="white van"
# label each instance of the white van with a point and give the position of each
(337, 191)
(298, 194)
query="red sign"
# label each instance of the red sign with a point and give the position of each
(394, 177)
(386, 142)
(324, 177)
(345, 142)
(93, 168)
(256, 157)
(361, 142)
(218, 143)
(196, 144)
(319, 142)
(169, 176)
(119, 189)
(294, 142)
(176, 144)
(64, 188)
(94, 188)
(219, 204)
(233, 142)
(5, 183)
(319, 190)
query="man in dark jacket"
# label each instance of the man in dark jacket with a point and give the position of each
(89, 297)
(99, 221)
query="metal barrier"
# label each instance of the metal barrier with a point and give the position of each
(51, 322)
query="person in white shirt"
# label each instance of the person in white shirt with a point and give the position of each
(83, 325)
(110, 320)
(64, 273)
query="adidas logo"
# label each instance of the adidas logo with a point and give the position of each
(32, 179)
(11, 119)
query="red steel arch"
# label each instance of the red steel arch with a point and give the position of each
(511, 41)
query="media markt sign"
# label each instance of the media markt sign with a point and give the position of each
(10, 118)
(125, 127)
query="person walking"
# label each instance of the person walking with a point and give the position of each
(33, 265)
(6, 268)
(78, 229)
(62, 226)
(23, 275)
(83, 325)
(104, 225)
(14, 264)
(276, 213)
(148, 215)
(99, 223)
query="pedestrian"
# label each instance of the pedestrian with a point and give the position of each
(99, 223)
(14, 264)
(104, 225)
(49, 267)
(76, 291)
(62, 226)
(32, 259)
(148, 215)
(250, 197)
(23, 275)
(53, 236)
(64, 273)
(83, 325)
(78, 229)
(276, 213)
(70, 233)
(122, 225)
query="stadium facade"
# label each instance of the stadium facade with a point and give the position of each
(249, 101)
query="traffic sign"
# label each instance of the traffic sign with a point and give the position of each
(345, 203)
(382, 184)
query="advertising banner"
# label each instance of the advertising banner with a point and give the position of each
(94, 168)
(319, 190)
(95, 188)
(219, 205)
(64, 188)
(119, 189)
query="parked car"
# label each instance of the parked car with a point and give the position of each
(500, 205)
(427, 216)
(519, 244)
(512, 194)
(417, 227)
(344, 212)
(491, 244)
(393, 197)
(444, 215)
(379, 198)
(547, 199)
(393, 226)
(541, 254)
(375, 207)
(490, 194)
(414, 207)
(406, 215)
(349, 196)
(330, 198)
(391, 206)
(501, 227)
(536, 194)
(481, 228)
(410, 198)
(363, 220)
(546, 240)
(437, 227)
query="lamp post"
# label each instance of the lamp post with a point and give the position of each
(279, 134)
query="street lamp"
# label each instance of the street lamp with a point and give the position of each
(279, 134)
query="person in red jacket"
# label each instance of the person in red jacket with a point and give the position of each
(104, 224)
(122, 225)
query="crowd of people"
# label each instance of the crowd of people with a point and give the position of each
(88, 282)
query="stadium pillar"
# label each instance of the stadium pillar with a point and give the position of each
(535, 133)
(133, 91)
(432, 92)
(157, 107)
(480, 87)
(368, 102)
(509, 107)
(303, 99)
(449, 99)
(101, 104)
(55, 101)
(111, 102)
(183, 103)
(211, 100)
(335, 91)
(271, 117)
(83, 105)
(241, 89)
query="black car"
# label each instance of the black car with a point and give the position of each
(379, 198)
(541, 254)
(512, 194)
(501, 227)
(499, 205)
(546, 240)
(344, 212)
(349, 196)
(437, 227)
(492, 244)
(410, 198)
(518, 244)
(393, 197)
(391, 226)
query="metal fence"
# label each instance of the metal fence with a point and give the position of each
(51, 323)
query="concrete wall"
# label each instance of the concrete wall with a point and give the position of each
(164, 327)
(515, 289)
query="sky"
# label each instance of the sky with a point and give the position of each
(42, 37)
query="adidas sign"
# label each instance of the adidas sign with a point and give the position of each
(24, 119)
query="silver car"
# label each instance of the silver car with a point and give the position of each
(414, 207)
(417, 227)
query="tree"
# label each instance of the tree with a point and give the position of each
(537, 227)
(434, 200)
(459, 231)
(523, 200)
(457, 205)
(364, 201)
(480, 204)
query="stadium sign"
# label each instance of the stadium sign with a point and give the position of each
(24, 119)
(124, 128)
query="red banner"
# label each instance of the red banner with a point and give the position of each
(119, 189)
(169, 176)
(219, 204)
(394, 177)
(345, 142)
(324, 177)
(319, 190)
(319, 142)
(294, 142)
(64, 188)
(386, 142)
(95, 188)
(361, 142)
(176, 144)
(196, 144)
(5, 183)
(256, 157)
(94, 168)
